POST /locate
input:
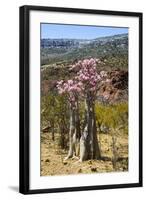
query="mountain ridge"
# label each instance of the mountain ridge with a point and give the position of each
(60, 50)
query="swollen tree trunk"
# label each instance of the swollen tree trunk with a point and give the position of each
(74, 132)
(77, 134)
(71, 133)
(89, 148)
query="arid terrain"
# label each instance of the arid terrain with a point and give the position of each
(52, 157)
(84, 94)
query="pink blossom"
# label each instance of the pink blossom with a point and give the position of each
(61, 91)
(108, 81)
(80, 84)
(60, 82)
(70, 82)
(86, 80)
(103, 74)
(88, 74)
(99, 77)
(93, 89)
(106, 96)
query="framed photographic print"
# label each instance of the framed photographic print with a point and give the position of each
(80, 99)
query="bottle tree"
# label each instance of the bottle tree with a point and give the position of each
(85, 84)
(71, 89)
(88, 79)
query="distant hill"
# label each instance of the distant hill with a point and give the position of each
(111, 49)
(57, 55)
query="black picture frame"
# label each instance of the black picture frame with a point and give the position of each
(24, 148)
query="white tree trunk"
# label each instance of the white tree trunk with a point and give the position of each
(71, 134)
(74, 132)
(89, 148)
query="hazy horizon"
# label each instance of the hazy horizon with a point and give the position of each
(82, 32)
(83, 38)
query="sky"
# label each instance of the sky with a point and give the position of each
(78, 32)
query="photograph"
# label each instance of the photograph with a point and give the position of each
(80, 99)
(83, 99)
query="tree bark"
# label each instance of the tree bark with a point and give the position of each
(74, 132)
(77, 134)
(71, 133)
(89, 148)
(97, 153)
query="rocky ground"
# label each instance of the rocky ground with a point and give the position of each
(52, 157)
(115, 88)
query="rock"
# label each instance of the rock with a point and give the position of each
(46, 128)
(79, 170)
(115, 88)
(90, 162)
(93, 169)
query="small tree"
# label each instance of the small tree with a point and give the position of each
(115, 116)
(55, 116)
(100, 111)
(62, 120)
(84, 83)
(71, 89)
(88, 79)
(48, 112)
